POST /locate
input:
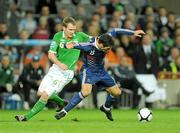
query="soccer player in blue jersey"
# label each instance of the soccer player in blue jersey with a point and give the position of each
(93, 71)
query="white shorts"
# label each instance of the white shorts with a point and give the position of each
(55, 80)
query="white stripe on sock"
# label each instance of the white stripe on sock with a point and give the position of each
(107, 109)
(84, 76)
(81, 96)
(64, 111)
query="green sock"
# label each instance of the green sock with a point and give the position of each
(54, 97)
(40, 104)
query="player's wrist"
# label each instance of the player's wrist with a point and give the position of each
(59, 64)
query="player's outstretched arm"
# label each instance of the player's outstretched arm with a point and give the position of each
(81, 46)
(116, 31)
(54, 59)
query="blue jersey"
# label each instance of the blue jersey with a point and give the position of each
(93, 71)
(93, 57)
(116, 31)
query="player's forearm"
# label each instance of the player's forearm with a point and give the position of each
(82, 46)
(52, 57)
(116, 31)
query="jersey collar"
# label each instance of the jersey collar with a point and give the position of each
(63, 34)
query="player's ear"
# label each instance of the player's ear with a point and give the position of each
(64, 28)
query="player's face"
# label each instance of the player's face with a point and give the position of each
(69, 30)
(101, 47)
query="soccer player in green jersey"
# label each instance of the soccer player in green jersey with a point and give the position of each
(61, 72)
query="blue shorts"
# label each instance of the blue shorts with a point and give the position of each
(100, 78)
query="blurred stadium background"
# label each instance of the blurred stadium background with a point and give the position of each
(148, 68)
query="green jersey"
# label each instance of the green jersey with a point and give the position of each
(64, 55)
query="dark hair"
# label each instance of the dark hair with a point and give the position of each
(106, 40)
(68, 20)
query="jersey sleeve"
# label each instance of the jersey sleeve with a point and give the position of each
(116, 31)
(54, 44)
(83, 46)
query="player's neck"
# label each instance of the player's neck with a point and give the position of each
(68, 38)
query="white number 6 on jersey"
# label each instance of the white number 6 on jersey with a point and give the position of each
(61, 45)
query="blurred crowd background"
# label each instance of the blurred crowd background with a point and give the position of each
(22, 67)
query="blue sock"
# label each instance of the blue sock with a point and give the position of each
(77, 98)
(109, 101)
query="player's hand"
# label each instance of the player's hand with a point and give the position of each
(70, 45)
(63, 66)
(139, 33)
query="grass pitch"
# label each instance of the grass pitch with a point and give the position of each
(91, 121)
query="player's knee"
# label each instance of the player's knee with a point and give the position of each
(85, 93)
(86, 90)
(39, 93)
(44, 96)
(117, 92)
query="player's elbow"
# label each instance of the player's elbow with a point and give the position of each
(51, 55)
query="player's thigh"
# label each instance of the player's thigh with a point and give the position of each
(49, 84)
(66, 77)
(54, 83)
(86, 89)
(44, 84)
(108, 83)
(114, 90)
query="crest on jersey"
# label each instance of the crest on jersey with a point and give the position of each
(92, 52)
